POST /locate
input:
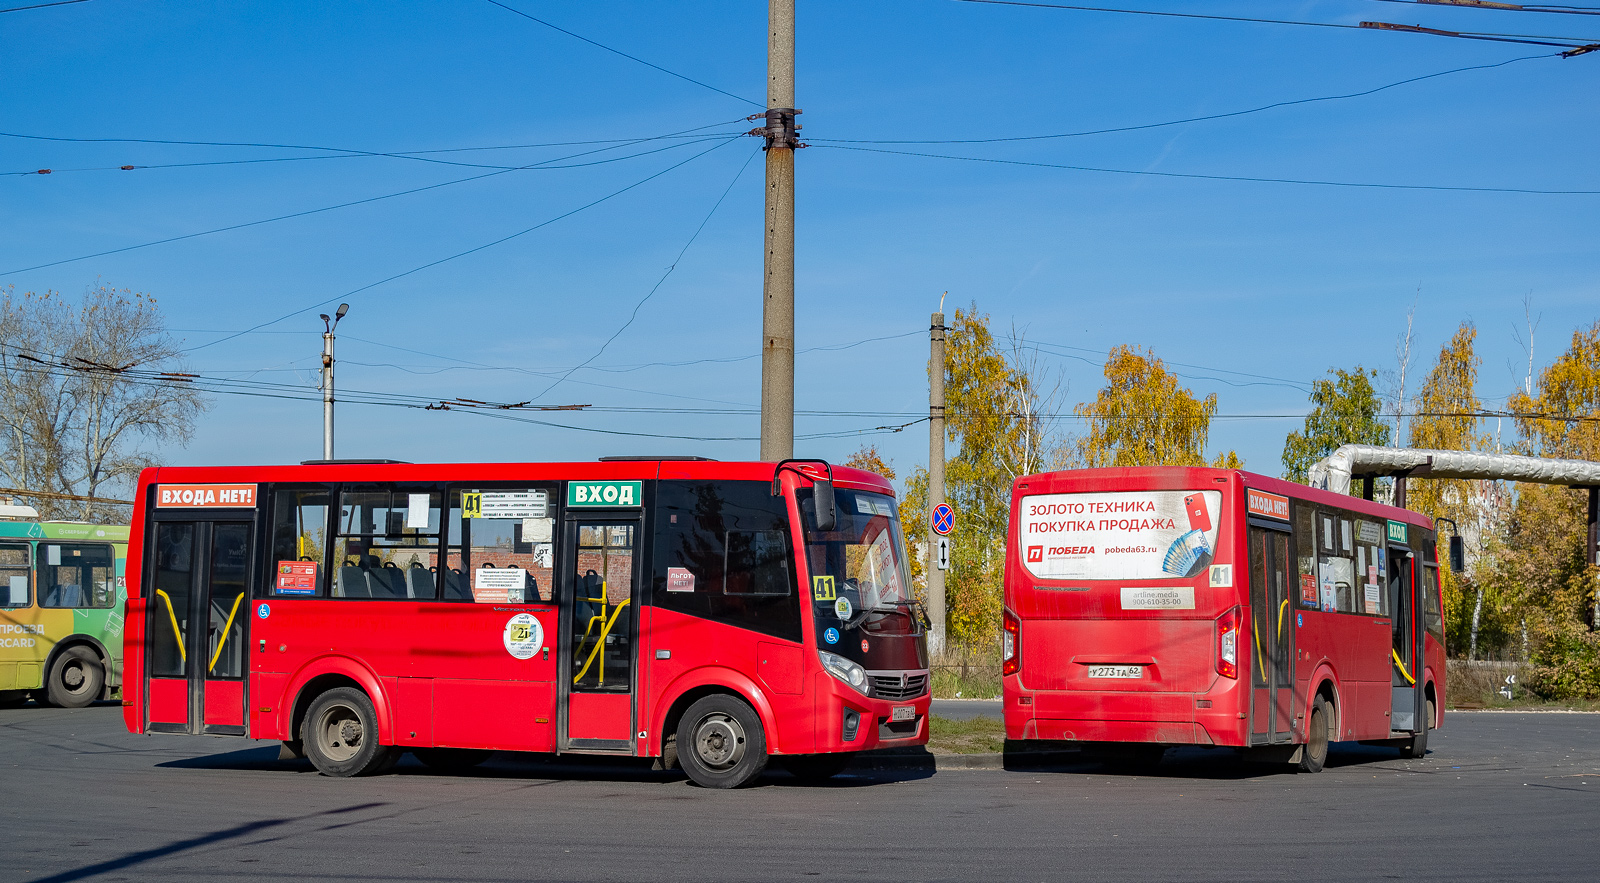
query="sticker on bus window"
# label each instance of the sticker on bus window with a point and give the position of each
(296, 578)
(842, 609)
(1308, 590)
(680, 579)
(822, 588)
(1119, 535)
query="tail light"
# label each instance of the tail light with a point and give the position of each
(1228, 644)
(1011, 644)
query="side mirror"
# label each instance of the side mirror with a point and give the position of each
(1458, 554)
(827, 514)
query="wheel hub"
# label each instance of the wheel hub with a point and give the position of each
(73, 676)
(719, 741)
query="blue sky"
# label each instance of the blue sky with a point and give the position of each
(1279, 280)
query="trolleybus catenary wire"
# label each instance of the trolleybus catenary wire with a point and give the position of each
(1186, 120)
(695, 134)
(342, 205)
(462, 254)
(1202, 177)
(659, 282)
(1570, 42)
(633, 58)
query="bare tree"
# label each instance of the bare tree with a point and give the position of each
(81, 386)
(1402, 352)
(1033, 398)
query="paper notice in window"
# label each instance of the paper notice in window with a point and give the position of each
(18, 591)
(680, 579)
(537, 530)
(52, 555)
(1373, 598)
(417, 511)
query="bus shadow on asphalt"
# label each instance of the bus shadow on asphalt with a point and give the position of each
(1221, 764)
(512, 765)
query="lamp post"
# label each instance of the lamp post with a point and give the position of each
(327, 378)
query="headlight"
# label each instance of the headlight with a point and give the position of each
(844, 670)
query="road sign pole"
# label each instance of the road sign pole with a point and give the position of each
(935, 478)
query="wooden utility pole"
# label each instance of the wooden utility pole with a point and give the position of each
(777, 311)
(935, 479)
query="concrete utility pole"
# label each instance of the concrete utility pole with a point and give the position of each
(777, 309)
(935, 477)
(327, 378)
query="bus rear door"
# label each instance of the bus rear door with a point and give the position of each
(598, 614)
(197, 591)
(1272, 638)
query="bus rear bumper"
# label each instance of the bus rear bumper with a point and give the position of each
(1110, 716)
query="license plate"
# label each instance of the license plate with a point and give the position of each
(903, 713)
(1131, 672)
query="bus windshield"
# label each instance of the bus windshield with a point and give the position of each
(858, 571)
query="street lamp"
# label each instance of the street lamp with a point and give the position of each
(327, 378)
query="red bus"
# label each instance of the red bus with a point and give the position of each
(706, 614)
(1158, 606)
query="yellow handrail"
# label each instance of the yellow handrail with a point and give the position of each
(225, 627)
(1402, 666)
(600, 645)
(176, 634)
(1282, 609)
(1261, 660)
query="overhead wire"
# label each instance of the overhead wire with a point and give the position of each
(615, 51)
(343, 152)
(1570, 42)
(364, 201)
(1204, 177)
(469, 251)
(42, 5)
(1187, 120)
(654, 288)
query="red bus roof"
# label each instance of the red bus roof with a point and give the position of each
(614, 469)
(1194, 477)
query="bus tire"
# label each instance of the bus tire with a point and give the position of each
(77, 678)
(1314, 756)
(721, 743)
(340, 735)
(1416, 747)
(816, 767)
(450, 760)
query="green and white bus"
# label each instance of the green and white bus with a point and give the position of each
(61, 600)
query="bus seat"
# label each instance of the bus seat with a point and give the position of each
(455, 586)
(419, 581)
(388, 581)
(352, 583)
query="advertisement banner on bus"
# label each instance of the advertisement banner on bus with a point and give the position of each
(1133, 535)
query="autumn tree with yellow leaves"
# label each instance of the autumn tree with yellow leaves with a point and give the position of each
(1144, 417)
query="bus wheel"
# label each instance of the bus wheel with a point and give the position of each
(12, 698)
(340, 735)
(721, 743)
(816, 767)
(1417, 746)
(450, 760)
(1315, 753)
(76, 678)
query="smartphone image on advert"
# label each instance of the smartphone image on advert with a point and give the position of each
(1199, 518)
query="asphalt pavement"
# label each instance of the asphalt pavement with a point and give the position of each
(1499, 797)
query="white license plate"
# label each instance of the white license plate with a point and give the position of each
(903, 713)
(1132, 672)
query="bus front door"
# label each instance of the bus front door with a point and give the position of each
(197, 594)
(1272, 639)
(598, 615)
(1403, 640)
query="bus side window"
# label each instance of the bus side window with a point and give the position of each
(1433, 617)
(387, 543)
(77, 576)
(492, 529)
(1305, 544)
(722, 552)
(14, 575)
(299, 543)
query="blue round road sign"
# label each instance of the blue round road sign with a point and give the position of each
(943, 518)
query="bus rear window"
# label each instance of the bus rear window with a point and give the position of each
(1124, 535)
